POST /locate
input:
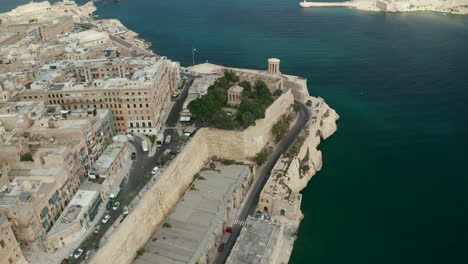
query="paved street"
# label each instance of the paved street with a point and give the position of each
(251, 201)
(134, 182)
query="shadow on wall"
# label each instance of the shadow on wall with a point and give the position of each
(157, 203)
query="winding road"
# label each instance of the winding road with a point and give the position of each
(251, 201)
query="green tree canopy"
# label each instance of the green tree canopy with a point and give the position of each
(248, 119)
(205, 107)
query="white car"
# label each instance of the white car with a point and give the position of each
(155, 170)
(105, 219)
(125, 210)
(96, 230)
(88, 254)
(78, 253)
(116, 206)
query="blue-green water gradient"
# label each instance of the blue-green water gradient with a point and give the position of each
(394, 186)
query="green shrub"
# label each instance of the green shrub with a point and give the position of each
(167, 225)
(227, 162)
(260, 158)
(26, 157)
(140, 252)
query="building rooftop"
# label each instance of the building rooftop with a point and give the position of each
(200, 84)
(195, 217)
(32, 108)
(47, 172)
(75, 209)
(235, 89)
(255, 243)
(5, 36)
(23, 191)
(108, 157)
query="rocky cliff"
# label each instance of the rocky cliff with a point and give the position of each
(308, 160)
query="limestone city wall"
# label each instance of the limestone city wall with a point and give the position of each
(157, 203)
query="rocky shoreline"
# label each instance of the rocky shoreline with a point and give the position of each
(459, 7)
(281, 196)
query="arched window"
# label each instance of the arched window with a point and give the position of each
(282, 212)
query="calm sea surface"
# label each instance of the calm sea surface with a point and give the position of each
(394, 187)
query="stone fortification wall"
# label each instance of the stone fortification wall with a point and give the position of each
(160, 199)
(280, 196)
(239, 145)
(298, 86)
(155, 205)
(273, 81)
(322, 125)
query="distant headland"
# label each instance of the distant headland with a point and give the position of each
(454, 6)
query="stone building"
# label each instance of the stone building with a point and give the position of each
(29, 127)
(139, 98)
(34, 200)
(235, 95)
(200, 218)
(56, 27)
(10, 38)
(76, 218)
(10, 252)
(259, 242)
(108, 167)
(277, 199)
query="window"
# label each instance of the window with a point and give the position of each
(282, 212)
(2, 243)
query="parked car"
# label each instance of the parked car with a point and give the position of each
(109, 205)
(95, 245)
(88, 254)
(96, 229)
(133, 156)
(78, 253)
(125, 210)
(105, 219)
(159, 162)
(116, 206)
(168, 139)
(155, 170)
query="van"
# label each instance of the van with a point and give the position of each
(160, 139)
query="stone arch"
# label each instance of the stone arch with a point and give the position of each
(265, 209)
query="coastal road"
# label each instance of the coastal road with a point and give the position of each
(251, 201)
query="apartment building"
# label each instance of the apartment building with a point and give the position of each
(10, 251)
(137, 91)
(108, 167)
(76, 218)
(34, 200)
(28, 127)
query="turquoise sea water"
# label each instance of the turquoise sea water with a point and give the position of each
(394, 187)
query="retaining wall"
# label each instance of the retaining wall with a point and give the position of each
(157, 203)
